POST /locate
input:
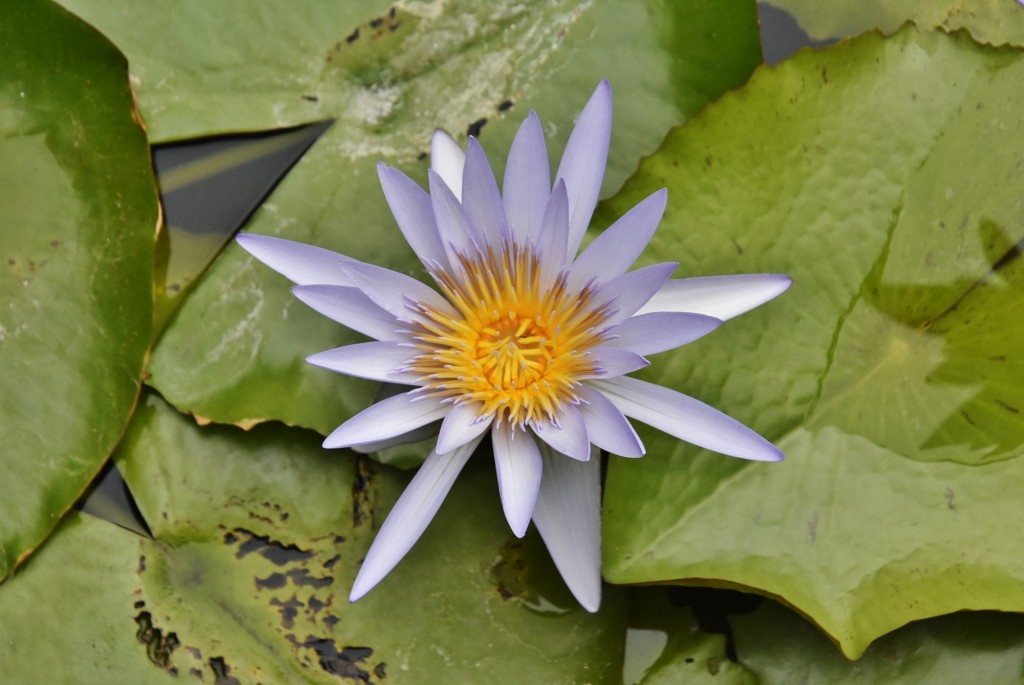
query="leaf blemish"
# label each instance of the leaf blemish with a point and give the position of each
(1008, 407)
(158, 647)
(277, 553)
(222, 672)
(475, 128)
(812, 527)
(344, 663)
(362, 493)
(289, 609)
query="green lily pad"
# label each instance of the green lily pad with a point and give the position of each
(978, 647)
(257, 538)
(884, 176)
(76, 241)
(989, 21)
(235, 351)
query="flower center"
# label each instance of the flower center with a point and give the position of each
(520, 346)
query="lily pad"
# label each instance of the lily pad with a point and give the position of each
(989, 21)
(257, 538)
(984, 647)
(235, 351)
(884, 176)
(76, 241)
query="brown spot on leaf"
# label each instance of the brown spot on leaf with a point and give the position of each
(344, 663)
(289, 609)
(475, 128)
(276, 552)
(1008, 407)
(158, 646)
(362, 493)
(274, 581)
(222, 672)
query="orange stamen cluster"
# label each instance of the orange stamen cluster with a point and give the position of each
(520, 345)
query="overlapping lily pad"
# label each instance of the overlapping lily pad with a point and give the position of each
(995, 22)
(235, 351)
(884, 176)
(983, 647)
(258, 537)
(76, 239)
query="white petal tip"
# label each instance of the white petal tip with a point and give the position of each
(760, 452)
(591, 604)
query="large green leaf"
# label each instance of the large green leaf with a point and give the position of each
(76, 240)
(983, 647)
(990, 21)
(257, 540)
(885, 177)
(235, 351)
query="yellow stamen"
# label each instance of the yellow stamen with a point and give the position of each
(520, 346)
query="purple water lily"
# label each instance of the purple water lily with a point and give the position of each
(523, 338)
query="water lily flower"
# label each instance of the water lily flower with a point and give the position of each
(523, 339)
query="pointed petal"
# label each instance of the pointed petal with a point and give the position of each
(456, 232)
(414, 213)
(527, 184)
(660, 331)
(568, 516)
(480, 197)
(611, 361)
(395, 292)
(614, 251)
(607, 427)
(722, 297)
(447, 159)
(517, 461)
(551, 241)
(301, 263)
(386, 419)
(378, 361)
(569, 436)
(625, 294)
(410, 516)
(583, 162)
(352, 309)
(462, 424)
(416, 435)
(686, 418)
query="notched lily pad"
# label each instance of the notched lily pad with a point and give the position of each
(884, 176)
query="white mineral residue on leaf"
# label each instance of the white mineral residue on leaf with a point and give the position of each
(374, 104)
(481, 53)
(241, 294)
